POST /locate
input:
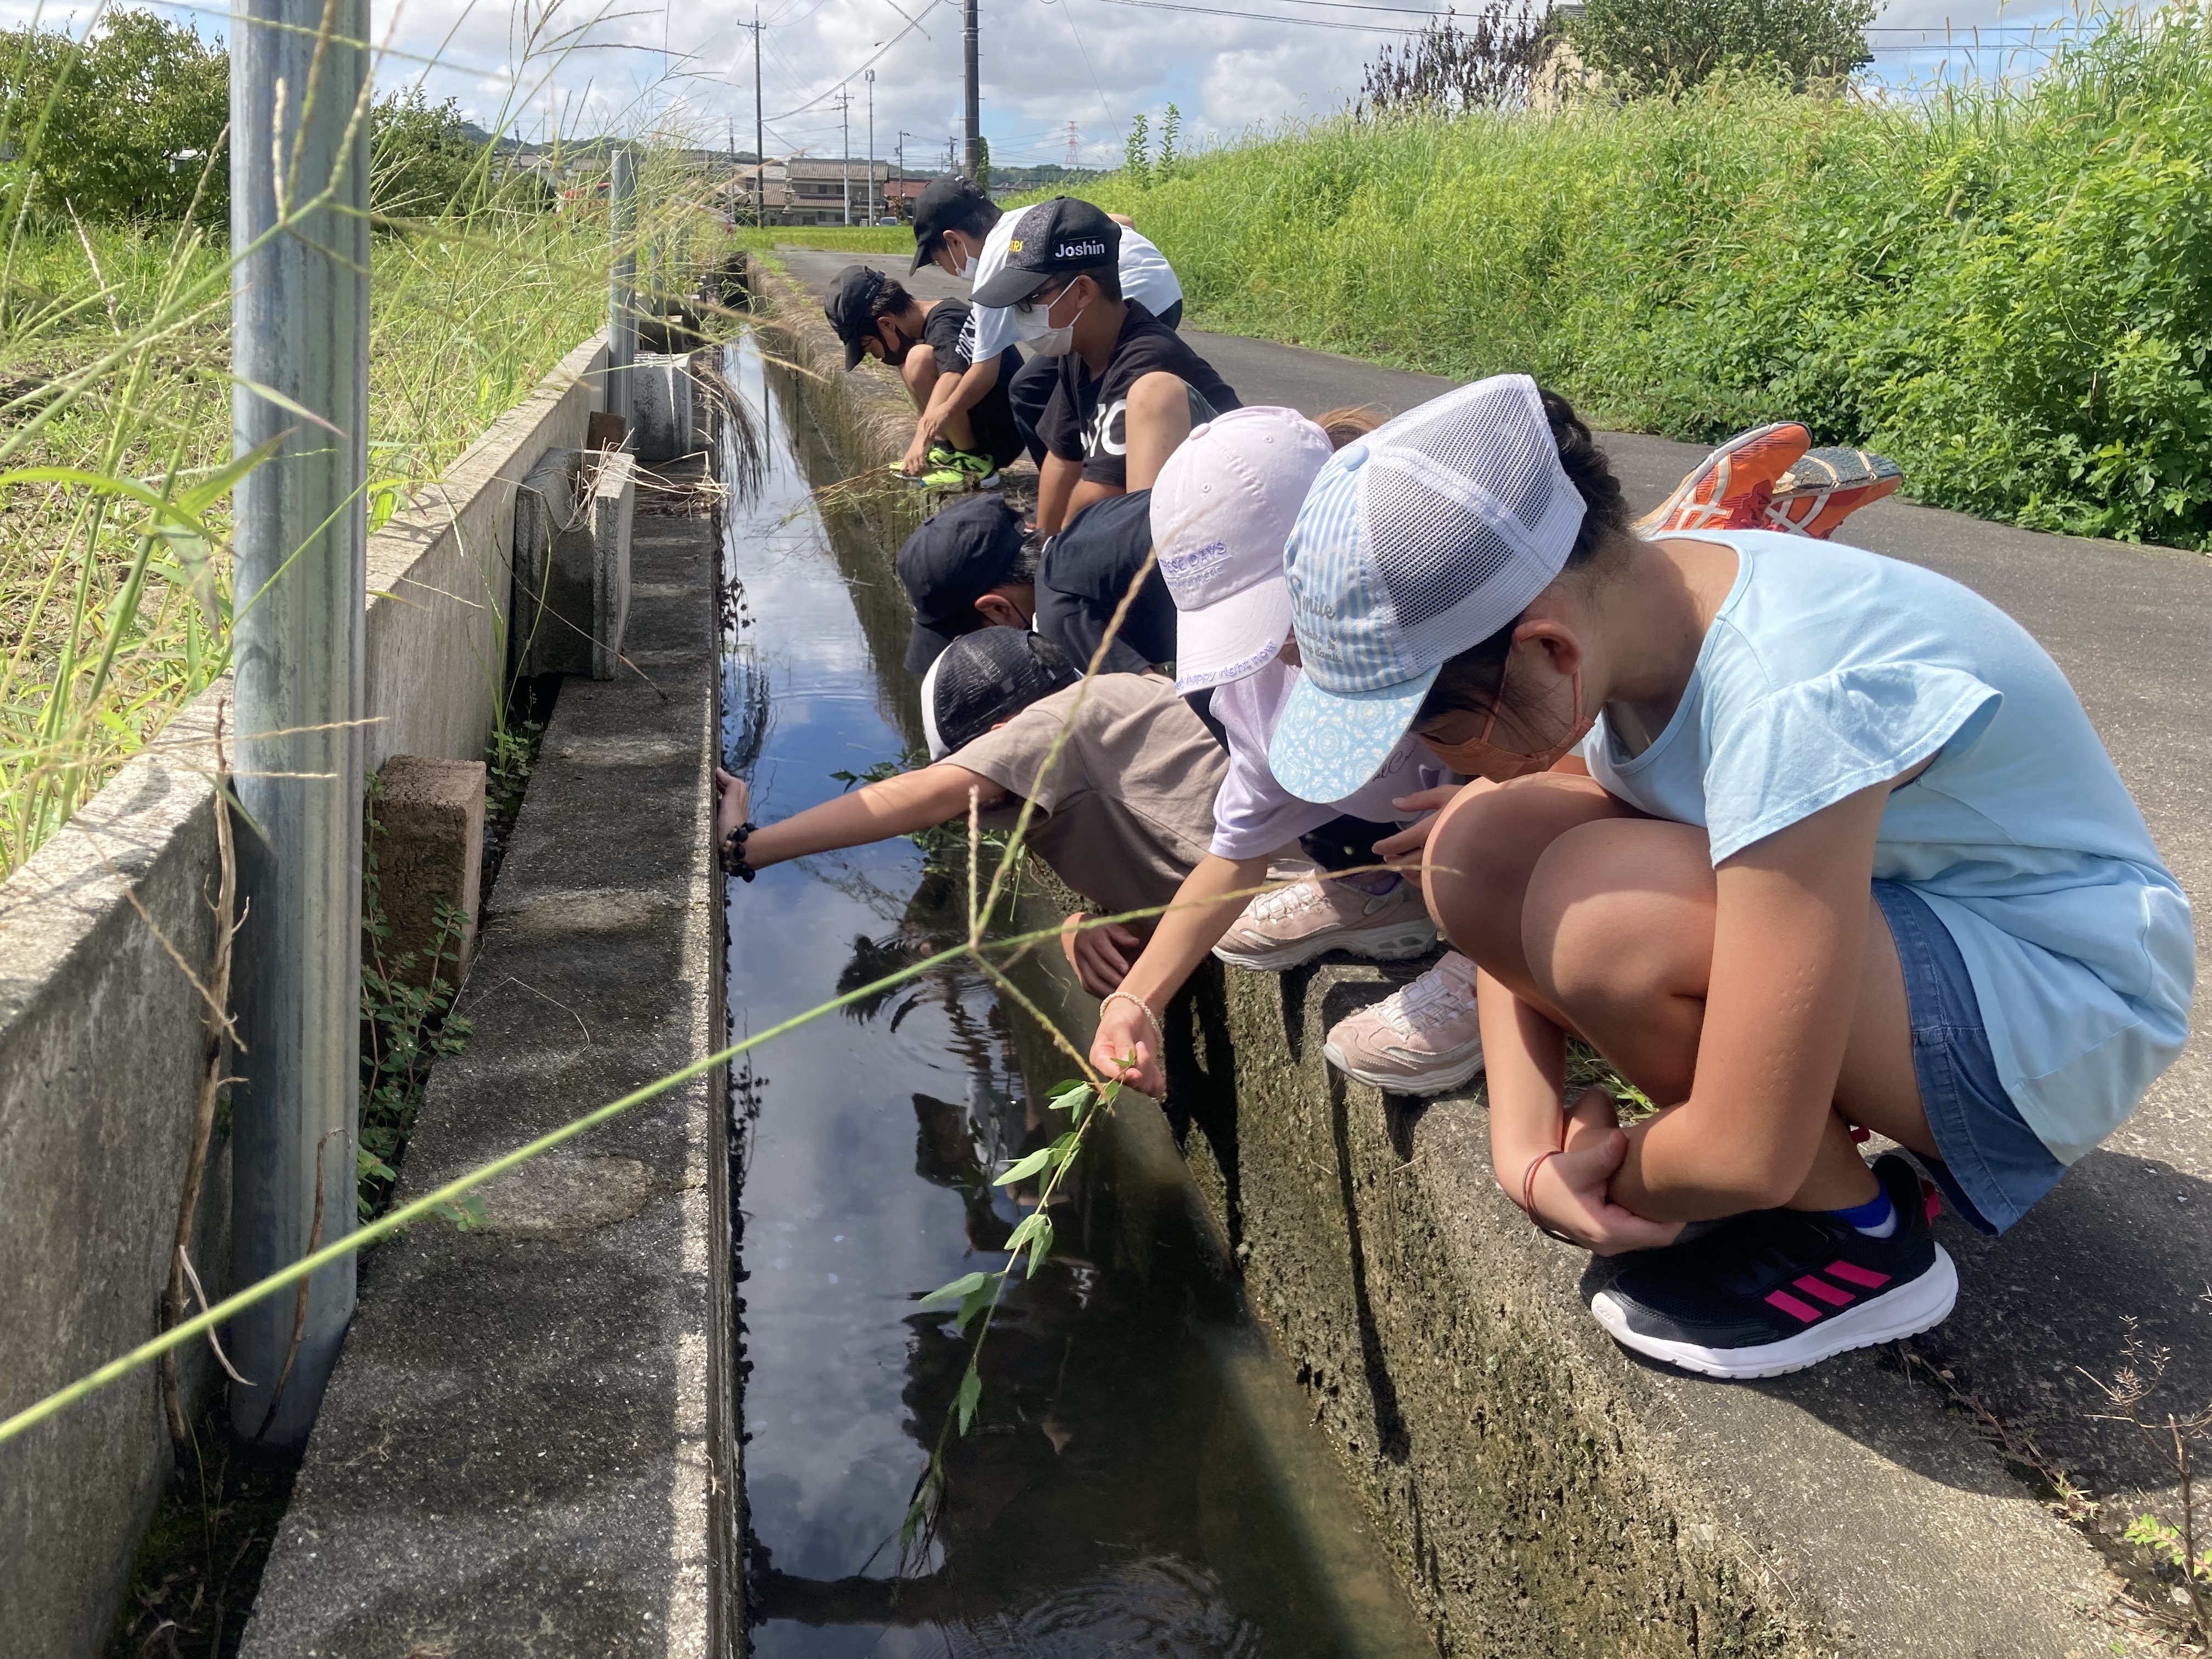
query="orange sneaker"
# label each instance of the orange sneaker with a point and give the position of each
(1824, 488)
(1731, 486)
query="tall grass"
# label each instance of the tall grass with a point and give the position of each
(114, 607)
(2006, 285)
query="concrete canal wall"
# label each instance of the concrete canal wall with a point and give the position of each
(102, 1037)
(528, 1445)
(1541, 1491)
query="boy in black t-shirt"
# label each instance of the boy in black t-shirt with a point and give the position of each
(1130, 389)
(876, 317)
(1129, 392)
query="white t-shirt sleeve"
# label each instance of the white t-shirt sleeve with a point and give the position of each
(1146, 276)
(991, 328)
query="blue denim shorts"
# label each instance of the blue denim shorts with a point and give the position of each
(1993, 1167)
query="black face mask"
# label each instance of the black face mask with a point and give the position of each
(897, 359)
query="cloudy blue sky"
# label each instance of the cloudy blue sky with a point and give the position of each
(1230, 65)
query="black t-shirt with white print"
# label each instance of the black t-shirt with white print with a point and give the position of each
(1086, 420)
(945, 331)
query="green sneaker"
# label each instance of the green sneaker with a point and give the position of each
(980, 472)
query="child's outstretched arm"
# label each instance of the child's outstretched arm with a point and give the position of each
(897, 806)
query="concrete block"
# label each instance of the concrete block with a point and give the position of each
(429, 848)
(572, 535)
(660, 392)
(613, 508)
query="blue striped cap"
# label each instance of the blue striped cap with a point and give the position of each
(1419, 540)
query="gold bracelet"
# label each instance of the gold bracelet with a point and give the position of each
(1131, 996)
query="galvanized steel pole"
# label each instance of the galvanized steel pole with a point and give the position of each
(299, 171)
(872, 147)
(622, 284)
(845, 103)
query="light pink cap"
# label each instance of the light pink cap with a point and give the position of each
(1222, 510)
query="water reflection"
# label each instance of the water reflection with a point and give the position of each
(1112, 1499)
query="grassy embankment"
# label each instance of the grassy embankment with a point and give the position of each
(112, 617)
(2009, 290)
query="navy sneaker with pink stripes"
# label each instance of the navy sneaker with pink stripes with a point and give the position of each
(1779, 1289)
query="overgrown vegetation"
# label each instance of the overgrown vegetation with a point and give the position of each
(2006, 286)
(115, 399)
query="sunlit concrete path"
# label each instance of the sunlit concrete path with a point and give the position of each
(2127, 1235)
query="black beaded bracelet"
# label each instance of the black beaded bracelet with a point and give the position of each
(733, 852)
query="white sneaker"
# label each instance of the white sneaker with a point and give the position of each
(1421, 1040)
(1298, 923)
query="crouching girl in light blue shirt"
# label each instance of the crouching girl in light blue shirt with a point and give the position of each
(1801, 838)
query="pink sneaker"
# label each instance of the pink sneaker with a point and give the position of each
(1422, 1040)
(1298, 923)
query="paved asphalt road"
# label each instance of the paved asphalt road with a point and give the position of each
(2131, 626)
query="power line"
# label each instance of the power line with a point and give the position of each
(1270, 17)
(857, 68)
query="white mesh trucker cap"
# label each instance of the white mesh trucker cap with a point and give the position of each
(1222, 510)
(1416, 542)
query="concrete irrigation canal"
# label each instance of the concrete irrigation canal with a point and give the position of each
(1144, 1478)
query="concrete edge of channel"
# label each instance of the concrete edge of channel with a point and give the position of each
(102, 1037)
(527, 1445)
(1541, 1491)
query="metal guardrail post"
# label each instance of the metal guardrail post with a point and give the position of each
(622, 285)
(299, 160)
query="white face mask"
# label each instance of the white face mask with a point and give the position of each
(966, 272)
(1033, 328)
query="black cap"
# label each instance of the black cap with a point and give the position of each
(950, 203)
(985, 678)
(1050, 240)
(949, 563)
(852, 292)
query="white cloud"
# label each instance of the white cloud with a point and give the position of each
(1045, 63)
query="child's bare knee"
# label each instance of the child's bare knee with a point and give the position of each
(1617, 913)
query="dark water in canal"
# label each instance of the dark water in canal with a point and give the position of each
(1141, 1479)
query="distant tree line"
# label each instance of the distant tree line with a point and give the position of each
(129, 126)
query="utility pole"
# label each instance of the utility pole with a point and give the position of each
(974, 106)
(760, 147)
(845, 104)
(299, 328)
(872, 147)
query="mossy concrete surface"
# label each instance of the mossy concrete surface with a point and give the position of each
(1547, 1493)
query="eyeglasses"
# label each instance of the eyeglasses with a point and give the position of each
(1048, 300)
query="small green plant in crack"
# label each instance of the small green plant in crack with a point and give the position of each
(407, 1024)
(2179, 1549)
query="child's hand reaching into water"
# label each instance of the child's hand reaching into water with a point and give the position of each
(732, 799)
(1569, 1195)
